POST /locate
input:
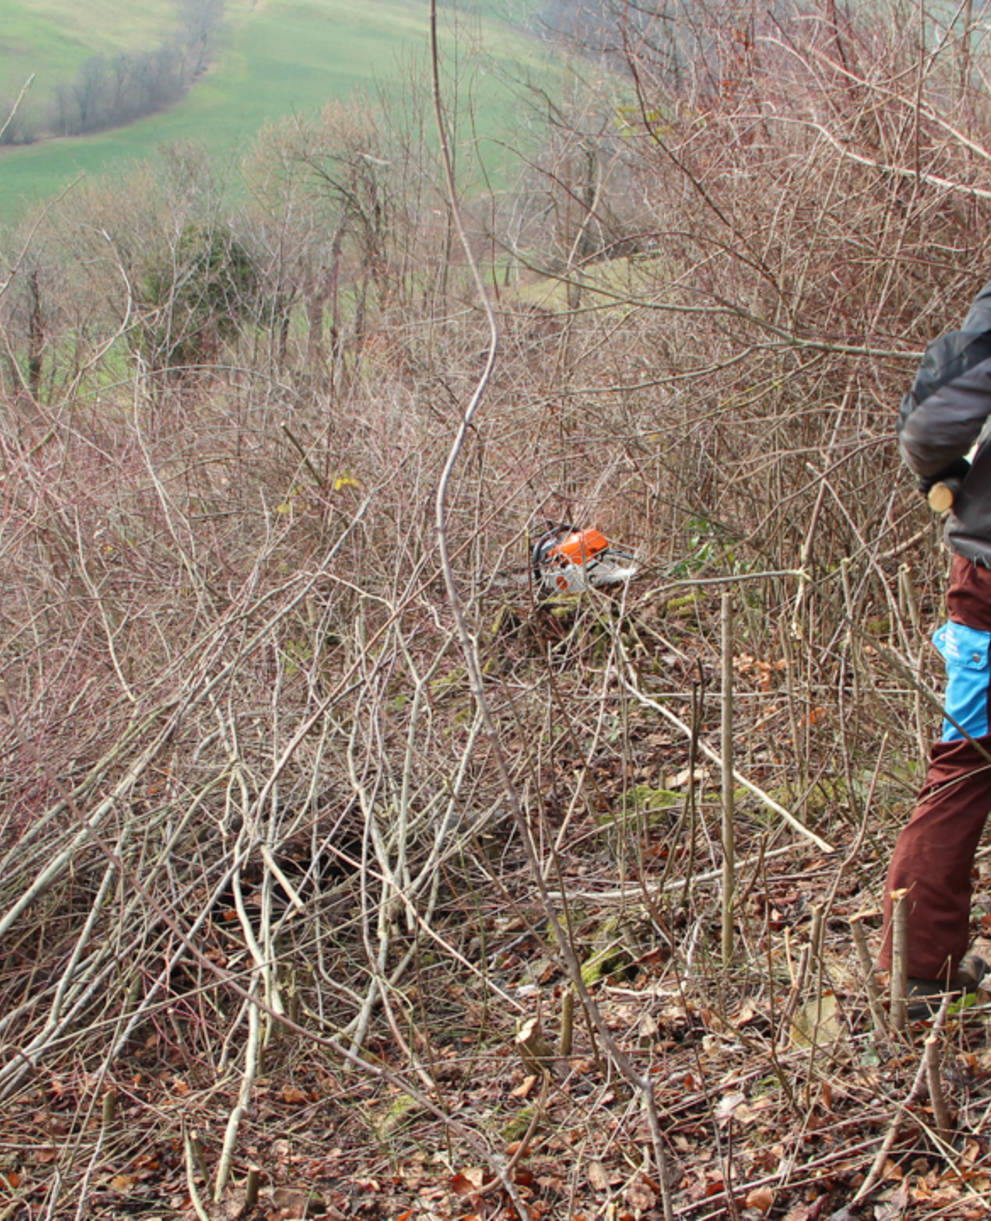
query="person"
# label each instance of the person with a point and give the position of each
(944, 436)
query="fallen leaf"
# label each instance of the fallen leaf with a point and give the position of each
(728, 1104)
(597, 1176)
(761, 1198)
(819, 1020)
(524, 1087)
(639, 1196)
(299, 1203)
(462, 1186)
(685, 776)
(747, 1112)
(894, 1206)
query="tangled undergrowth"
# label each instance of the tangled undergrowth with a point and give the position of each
(345, 875)
(228, 956)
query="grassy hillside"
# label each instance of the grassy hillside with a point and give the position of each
(280, 56)
(53, 37)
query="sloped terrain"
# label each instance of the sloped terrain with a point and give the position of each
(342, 873)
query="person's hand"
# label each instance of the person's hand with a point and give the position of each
(957, 471)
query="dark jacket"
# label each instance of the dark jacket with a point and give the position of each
(944, 414)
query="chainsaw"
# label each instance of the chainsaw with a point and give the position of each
(569, 560)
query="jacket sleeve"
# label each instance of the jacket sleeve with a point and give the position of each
(943, 427)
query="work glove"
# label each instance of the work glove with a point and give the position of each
(956, 472)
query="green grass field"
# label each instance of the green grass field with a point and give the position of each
(53, 37)
(279, 57)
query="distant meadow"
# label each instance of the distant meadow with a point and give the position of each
(248, 62)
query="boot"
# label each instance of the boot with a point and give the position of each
(924, 996)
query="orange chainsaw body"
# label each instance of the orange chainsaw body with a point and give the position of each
(564, 562)
(579, 546)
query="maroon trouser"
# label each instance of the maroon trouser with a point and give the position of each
(934, 854)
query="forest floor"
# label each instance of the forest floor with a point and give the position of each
(769, 1107)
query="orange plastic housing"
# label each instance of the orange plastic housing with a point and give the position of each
(580, 546)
